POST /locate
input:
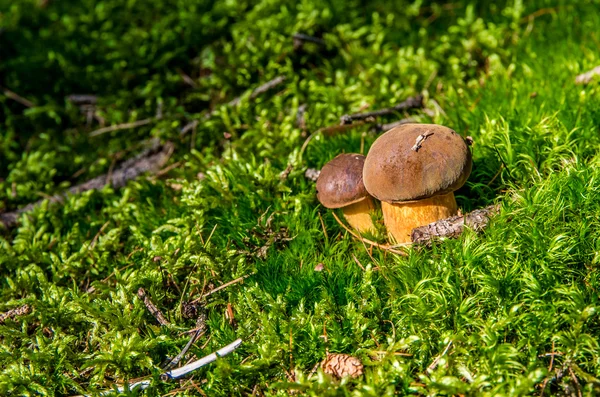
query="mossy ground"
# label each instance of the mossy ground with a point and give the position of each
(500, 302)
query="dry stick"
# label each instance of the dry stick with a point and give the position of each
(155, 311)
(453, 226)
(16, 312)
(18, 98)
(415, 102)
(124, 126)
(237, 280)
(200, 329)
(435, 362)
(587, 77)
(385, 247)
(301, 37)
(259, 90)
(148, 161)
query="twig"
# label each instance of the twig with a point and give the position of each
(124, 126)
(155, 311)
(576, 381)
(179, 372)
(586, 78)
(420, 140)
(300, 38)
(453, 226)
(18, 98)
(435, 362)
(410, 103)
(237, 280)
(385, 247)
(260, 90)
(148, 161)
(200, 329)
(16, 312)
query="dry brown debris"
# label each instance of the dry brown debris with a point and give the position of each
(342, 365)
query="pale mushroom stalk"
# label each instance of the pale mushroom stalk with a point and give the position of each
(358, 215)
(401, 218)
(340, 185)
(414, 170)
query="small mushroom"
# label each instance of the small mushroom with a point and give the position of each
(414, 170)
(340, 185)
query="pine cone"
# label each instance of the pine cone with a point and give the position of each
(342, 365)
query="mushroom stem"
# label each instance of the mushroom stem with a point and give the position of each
(401, 218)
(358, 215)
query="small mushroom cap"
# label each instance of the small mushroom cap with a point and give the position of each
(340, 182)
(416, 161)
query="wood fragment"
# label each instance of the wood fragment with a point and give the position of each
(155, 311)
(452, 227)
(150, 160)
(415, 102)
(587, 77)
(14, 313)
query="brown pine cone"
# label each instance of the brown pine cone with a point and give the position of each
(342, 365)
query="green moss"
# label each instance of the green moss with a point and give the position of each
(499, 301)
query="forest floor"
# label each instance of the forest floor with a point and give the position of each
(185, 176)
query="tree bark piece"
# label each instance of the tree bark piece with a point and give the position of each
(150, 160)
(415, 102)
(452, 227)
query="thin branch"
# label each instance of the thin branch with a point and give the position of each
(587, 77)
(18, 98)
(155, 311)
(124, 126)
(197, 332)
(260, 90)
(16, 312)
(415, 102)
(435, 362)
(148, 161)
(300, 38)
(237, 280)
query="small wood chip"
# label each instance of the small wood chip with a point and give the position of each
(342, 365)
(312, 174)
(16, 312)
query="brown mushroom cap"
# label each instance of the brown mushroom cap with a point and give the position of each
(340, 182)
(395, 172)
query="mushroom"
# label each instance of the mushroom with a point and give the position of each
(340, 185)
(414, 170)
